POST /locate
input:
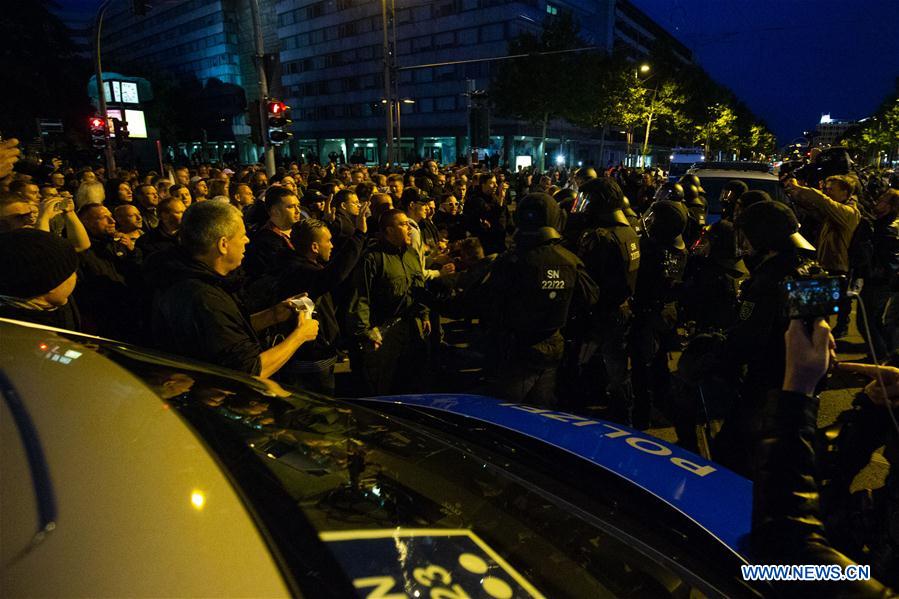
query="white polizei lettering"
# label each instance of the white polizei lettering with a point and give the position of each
(654, 448)
(618, 432)
(693, 467)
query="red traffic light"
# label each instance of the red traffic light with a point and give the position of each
(97, 122)
(277, 107)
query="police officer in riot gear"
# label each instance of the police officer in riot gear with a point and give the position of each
(697, 208)
(610, 249)
(729, 195)
(663, 258)
(754, 346)
(582, 175)
(526, 299)
(632, 217)
(670, 191)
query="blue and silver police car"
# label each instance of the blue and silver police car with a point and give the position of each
(132, 473)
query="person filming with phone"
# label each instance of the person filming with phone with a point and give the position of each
(787, 518)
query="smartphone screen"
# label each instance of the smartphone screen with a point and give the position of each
(817, 297)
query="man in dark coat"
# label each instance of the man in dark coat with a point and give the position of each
(108, 278)
(198, 313)
(283, 208)
(165, 236)
(316, 269)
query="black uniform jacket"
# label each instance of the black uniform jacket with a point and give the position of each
(199, 316)
(299, 274)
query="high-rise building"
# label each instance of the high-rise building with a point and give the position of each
(202, 44)
(829, 130)
(333, 71)
(326, 63)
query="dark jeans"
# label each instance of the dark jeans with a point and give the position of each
(613, 333)
(527, 373)
(521, 384)
(398, 366)
(649, 340)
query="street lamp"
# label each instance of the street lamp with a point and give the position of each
(399, 130)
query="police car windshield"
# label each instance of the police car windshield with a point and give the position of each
(357, 476)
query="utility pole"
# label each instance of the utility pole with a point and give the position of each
(388, 87)
(263, 88)
(101, 93)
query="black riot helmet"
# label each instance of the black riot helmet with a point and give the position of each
(537, 211)
(666, 222)
(691, 179)
(603, 194)
(670, 191)
(584, 174)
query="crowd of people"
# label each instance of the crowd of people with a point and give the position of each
(577, 286)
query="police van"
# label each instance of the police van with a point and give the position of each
(682, 159)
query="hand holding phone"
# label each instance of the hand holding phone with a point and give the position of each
(809, 298)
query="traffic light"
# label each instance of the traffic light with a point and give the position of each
(278, 122)
(98, 132)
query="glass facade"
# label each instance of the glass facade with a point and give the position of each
(329, 65)
(194, 38)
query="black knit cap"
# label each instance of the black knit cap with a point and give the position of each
(770, 225)
(34, 262)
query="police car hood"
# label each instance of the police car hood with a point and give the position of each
(712, 496)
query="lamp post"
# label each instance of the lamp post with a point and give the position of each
(101, 94)
(399, 130)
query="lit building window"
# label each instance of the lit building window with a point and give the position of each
(552, 9)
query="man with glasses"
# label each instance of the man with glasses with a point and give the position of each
(449, 218)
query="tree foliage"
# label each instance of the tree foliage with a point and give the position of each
(878, 135)
(594, 90)
(541, 86)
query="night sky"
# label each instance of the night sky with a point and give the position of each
(792, 60)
